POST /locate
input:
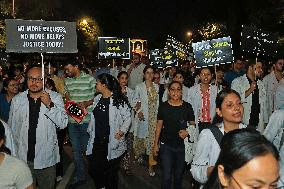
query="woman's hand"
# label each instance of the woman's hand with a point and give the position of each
(118, 135)
(137, 106)
(155, 150)
(141, 116)
(183, 134)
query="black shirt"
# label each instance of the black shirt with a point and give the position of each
(101, 114)
(255, 107)
(174, 118)
(34, 108)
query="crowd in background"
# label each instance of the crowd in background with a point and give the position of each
(176, 117)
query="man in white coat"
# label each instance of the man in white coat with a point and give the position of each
(274, 131)
(34, 116)
(271, 83)
(253, 95)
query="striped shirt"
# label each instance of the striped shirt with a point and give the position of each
(81, 89)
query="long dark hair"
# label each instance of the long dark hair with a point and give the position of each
(3, 148)
(6, 83)
(238, 147)
(219, 101)
(112, 84)
(122, 73)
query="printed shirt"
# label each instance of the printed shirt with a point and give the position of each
(205, 108)
(81, 89)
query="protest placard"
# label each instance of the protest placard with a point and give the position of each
(114, 48)
(181, 49)
(26, 36)
(258, 41)
(162, 58)
(213, 52)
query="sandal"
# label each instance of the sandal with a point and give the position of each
(152, 173)
(128, 172)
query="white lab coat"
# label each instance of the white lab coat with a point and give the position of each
(273, 132)
(271, 84)
(279, 95)
(9, 142)
(185, 94)
(241, 84)
(46, 148)
(195, 99)
(206, 154)
(141, 127)
(119, 120)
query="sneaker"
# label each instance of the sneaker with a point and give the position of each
(77, 184)
(58, 178)
(140, 160)
(152, 173)
(128, 172)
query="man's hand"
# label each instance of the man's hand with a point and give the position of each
(84, 104)
(45, 99)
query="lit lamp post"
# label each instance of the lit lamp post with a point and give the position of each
(13, 13)
(189, 36)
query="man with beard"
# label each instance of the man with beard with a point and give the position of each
(271, 83)
(135, 71)
(34, 116)
(253, 95)
(80, 88)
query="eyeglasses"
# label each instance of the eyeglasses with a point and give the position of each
(270, 187)
(34, 79)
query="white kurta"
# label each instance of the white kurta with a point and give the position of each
(141, 127)
(206, 154)
(195, 99)
(273, 133)
(241, 84)
(271, 84)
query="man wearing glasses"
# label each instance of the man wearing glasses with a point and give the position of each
(34, 116)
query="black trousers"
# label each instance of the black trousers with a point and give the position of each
(104, 172)
(61, 134)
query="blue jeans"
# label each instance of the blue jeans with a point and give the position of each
(173, 164)
(79, 140)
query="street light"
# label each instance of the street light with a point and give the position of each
(189, 34)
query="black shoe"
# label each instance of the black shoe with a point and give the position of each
(76, 184)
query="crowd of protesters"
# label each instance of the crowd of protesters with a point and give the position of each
(174, 117)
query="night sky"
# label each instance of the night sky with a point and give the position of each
(155, 19)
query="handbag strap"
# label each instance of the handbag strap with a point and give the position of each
(218, 135)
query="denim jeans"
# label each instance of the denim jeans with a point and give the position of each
(173, 165)
(79, 140)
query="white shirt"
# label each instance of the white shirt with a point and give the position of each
(271, 84)
(136, 75)
(206, 154)
(14, 174)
